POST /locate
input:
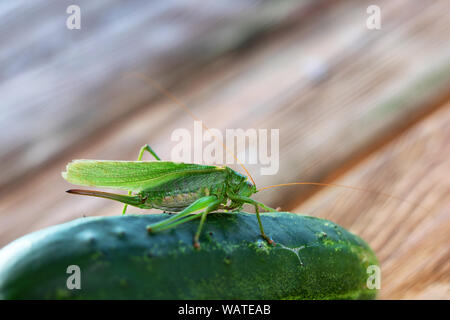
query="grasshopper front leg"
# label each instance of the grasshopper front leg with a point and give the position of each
(141, 154)
(256, 204)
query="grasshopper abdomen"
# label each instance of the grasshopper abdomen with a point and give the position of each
(175, 201)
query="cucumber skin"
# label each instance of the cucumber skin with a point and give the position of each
(120, 260)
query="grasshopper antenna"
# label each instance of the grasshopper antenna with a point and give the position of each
(387, 195)
(182, 105)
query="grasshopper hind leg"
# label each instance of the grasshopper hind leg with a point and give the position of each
(199, 209)
(144, 148)
(208, 210)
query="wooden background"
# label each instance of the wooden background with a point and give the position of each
(366, 108)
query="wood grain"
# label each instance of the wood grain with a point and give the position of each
(60, 86)
(410, 236)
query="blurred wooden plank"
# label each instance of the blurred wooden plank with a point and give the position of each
(411, 237)
(371, 86)
(60, 86)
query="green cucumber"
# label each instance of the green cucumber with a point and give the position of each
(313, 259)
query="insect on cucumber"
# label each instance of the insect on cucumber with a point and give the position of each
(192, 190)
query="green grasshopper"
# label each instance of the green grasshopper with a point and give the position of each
(192, 190)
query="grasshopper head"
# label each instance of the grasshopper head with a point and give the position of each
(246, 189)
(240, 185)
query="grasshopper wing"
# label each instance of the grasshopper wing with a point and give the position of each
(129, 175)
